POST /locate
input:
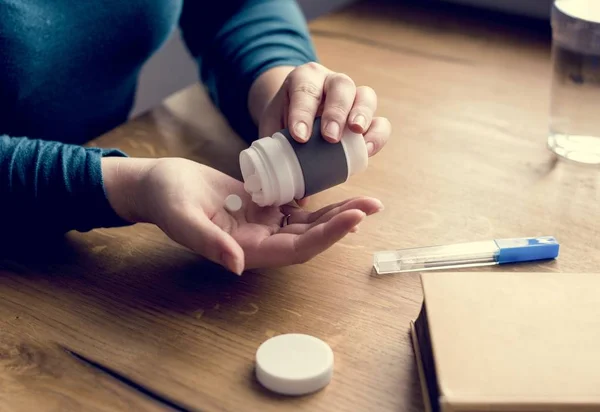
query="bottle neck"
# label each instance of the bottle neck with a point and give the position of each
(271, 172)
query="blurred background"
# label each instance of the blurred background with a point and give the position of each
(171, 69)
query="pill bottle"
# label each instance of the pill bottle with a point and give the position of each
(277, 169)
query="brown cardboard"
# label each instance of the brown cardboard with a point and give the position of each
(513, 341)
(424, 389)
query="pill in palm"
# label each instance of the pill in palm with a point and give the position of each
(233, 203)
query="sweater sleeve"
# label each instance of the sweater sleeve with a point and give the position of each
(50, 188)
(238, 40)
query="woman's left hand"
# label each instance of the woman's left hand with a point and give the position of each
(313, 90)
(186, 200)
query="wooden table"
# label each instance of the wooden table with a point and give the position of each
(468, 99)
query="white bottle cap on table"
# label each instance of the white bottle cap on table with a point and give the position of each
(294, 364)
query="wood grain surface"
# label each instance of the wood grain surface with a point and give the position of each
(467, 94)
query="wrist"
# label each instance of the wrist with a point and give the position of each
(123, 179)
(264, 88)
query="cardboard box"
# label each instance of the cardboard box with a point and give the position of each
(500, 341)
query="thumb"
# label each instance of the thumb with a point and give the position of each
(303, 202)
(268, 125)
(271, 120)
(204, 237)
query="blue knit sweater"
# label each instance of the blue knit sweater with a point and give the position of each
(69, 71)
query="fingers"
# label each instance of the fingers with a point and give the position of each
(204, 237)
(313, 90)
(322, 237)
(378, 135)
(300, 222)
(366, 204)
(295, 228)
(305, 92)
(301, 216)
(340, 92)
(365, 105)
(303, 202)
(285, 249)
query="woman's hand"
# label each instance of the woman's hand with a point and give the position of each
(186, 200)
(311, 90)
(291, 98)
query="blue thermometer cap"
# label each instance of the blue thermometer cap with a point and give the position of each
(527, 249)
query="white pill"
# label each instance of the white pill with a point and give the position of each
(233, 203)
(294, 364)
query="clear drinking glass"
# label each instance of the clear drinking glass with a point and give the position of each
(575, 94)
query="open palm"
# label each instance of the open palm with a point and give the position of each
(188, 205)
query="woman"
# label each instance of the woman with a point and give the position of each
(68, 74)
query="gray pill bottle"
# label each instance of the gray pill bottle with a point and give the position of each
(277, 169)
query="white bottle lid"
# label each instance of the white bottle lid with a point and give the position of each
(588, 10)
(294, 364)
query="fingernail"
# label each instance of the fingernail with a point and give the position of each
(301, 130)
(355, 229)
(370, 148)
(229, 261)
(360, 120)
(332, 130)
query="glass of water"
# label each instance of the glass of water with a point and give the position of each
(575, 94)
